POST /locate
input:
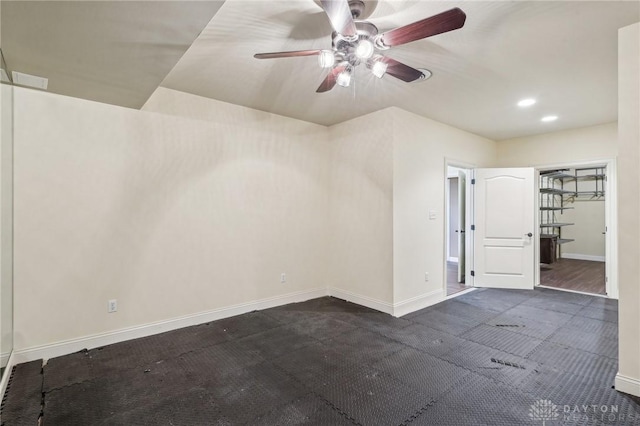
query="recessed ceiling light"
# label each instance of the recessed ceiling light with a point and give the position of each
(526, 102)
(549, 118)
(426, 74)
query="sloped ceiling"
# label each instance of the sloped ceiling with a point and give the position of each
(115, 52)
(563, 53)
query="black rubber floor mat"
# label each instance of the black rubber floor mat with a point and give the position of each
(565, 296)
(585, 341)
(541, 315)
(422, 372)
(604, 303)
(112, 359)
(573, 360)
(275, 342)
(426, 339)
(465, 310)
(192, 408)
(505, 340)
(378, 322)
(22, 401)
(266, 388)
(247, 324)
(309, 410)
(327, 361)
(525, 326)
(321, 326)
(478, 358)
(95, 400)
(444, 322)
(599, 313)
(597, 327)
(550, 304)
(478, 400)
(364, 346)
(315, 365)
(495, 300)
(373, 398)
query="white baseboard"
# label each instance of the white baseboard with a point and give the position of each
(627, 385)
(97, 340)
(419, 302)
(583, 257)
(369, 302)
(4, 359)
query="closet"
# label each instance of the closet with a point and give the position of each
(560, 190)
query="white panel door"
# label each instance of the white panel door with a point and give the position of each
(462, 212)
(504, 236)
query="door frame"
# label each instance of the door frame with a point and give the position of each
(611, 222)
(468, 167)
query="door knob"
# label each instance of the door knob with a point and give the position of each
(529, 235)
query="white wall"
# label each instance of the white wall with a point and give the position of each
(6, 222)
(421, 148)
(169, 216)
(589, 220)
(361, 212)
(628, 379)
(569, 146)
(587, 212)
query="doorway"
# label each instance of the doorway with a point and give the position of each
(456, 232)
(573, 228)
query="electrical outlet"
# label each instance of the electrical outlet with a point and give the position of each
(426, 276)
(283, 278)
(112, 306)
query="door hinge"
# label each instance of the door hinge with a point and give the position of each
(473, 227)
(473, 273)
(473, 181)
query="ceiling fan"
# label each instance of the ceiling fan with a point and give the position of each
(356, 41)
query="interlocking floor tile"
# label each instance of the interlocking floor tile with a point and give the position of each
(486, 358)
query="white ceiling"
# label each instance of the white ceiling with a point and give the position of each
(563, 53)
(114, 52)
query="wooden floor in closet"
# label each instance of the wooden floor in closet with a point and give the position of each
(571, 274)
(453, 286)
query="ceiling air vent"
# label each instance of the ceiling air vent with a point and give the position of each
(28, 80)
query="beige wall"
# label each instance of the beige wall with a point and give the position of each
(589, 219)
(167, 215)
(421, 148)
(629, 207)
(569, 146)
(361, 212)
(6, 222)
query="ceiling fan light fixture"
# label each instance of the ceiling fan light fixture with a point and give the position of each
(326, 59)
(344, 78)
(379, 68)
(365, 49)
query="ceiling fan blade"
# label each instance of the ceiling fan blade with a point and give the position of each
(291, 54)
(437, 24)
(330, 81)
(402, 71)
(339, 14)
